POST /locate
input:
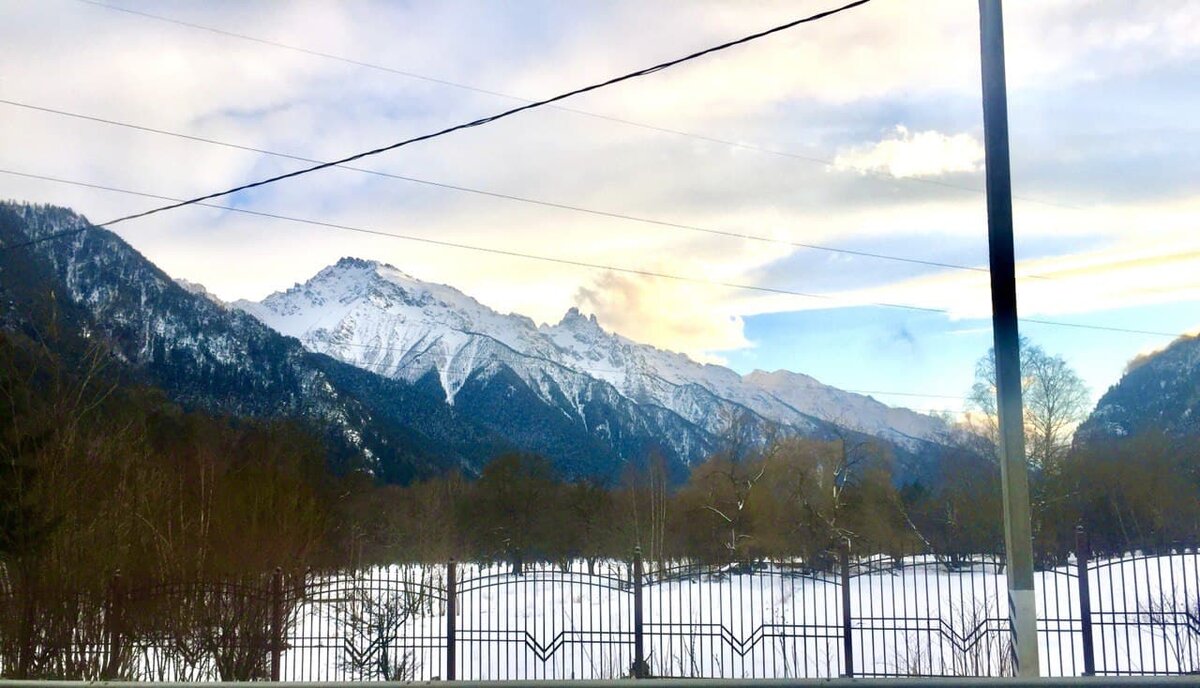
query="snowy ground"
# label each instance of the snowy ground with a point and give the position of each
(765, 621)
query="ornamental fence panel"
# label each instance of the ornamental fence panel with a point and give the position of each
(929, 614)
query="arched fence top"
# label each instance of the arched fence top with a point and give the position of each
(1067, 571)
(931, 561)
(1134, 557)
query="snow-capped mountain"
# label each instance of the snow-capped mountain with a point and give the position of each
(98, 289)
(376, 317)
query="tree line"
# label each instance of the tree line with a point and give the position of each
(98, 474)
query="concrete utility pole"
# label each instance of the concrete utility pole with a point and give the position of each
(1014, 473)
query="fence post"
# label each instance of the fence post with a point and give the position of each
(451, 617)
(847, 638)
(276, 623)
(640, 669)
(113, 613)
(1082, 554)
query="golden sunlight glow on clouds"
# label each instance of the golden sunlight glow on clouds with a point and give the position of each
(1115, 277)
(675, 316)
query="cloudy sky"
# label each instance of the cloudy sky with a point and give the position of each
(861, 132)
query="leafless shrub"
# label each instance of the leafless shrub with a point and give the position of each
(964, 645)
(48, 633)
(374, 623)
(1175, 619)
(203, 631)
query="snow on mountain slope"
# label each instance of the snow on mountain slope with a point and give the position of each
(856, 411)
(378, 318)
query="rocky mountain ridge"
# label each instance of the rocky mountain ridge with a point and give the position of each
(381, 319)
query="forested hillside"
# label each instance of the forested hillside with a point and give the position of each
(1159, 392)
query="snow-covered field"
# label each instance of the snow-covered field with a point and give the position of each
(761, 621)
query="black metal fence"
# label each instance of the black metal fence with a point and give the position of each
(925, 615)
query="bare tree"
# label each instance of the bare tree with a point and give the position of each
(855, 452)
(730, 484)
(659, 498)
(817, 489)
(1055, 402)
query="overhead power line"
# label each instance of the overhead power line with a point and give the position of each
(532, 256)
(440, 242)
(826, 162)
(493, 118)
(513, 197)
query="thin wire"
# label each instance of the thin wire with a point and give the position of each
(512, 197)
(492, 118)
(531, 256)
(587, 113)
(1059, 323)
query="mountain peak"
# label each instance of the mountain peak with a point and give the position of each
(346, 262)
(350, 266)
(782, 377)
(346, 266)
(574, 318)
(1157, 393)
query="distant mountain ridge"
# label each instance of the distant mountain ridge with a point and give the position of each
(375, 316)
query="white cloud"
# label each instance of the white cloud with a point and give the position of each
(679, 317)
(1126, 272)
(919, 154)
